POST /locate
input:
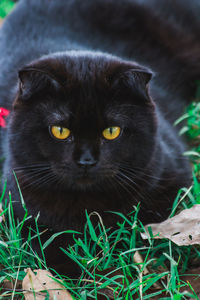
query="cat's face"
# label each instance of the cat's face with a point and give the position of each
(81, 121)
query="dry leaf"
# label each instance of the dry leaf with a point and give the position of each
(193, 277)
(8, 289)
(138, 259)
(39, 285)
(2, 217)
(183, 229)
(9, 285)
(110, 290)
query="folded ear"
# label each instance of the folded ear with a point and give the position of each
(33, 80)
(141, 76)
(139, 80)
(134, 79)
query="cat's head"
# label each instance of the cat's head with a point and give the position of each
(80, 120)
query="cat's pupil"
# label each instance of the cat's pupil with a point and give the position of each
(111, 130)
(61, 130)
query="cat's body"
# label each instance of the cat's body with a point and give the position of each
(88, 91)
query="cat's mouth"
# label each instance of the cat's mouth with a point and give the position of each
(84, 180)
(84, 177)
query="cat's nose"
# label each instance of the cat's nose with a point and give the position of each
(86, 160)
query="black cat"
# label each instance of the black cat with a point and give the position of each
(87, 129)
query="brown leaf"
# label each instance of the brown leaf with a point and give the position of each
(39, 285)
(138, 259)
(183, 229)
(2, 217)
(10, 285)
(192, 277)
(108, 291)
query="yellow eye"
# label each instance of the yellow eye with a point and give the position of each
(111, 133)
(60, 133)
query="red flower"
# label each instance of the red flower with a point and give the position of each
(3, 113)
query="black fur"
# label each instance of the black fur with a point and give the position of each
(87, 91)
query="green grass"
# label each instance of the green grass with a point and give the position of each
(106, 257)
(5, 7)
